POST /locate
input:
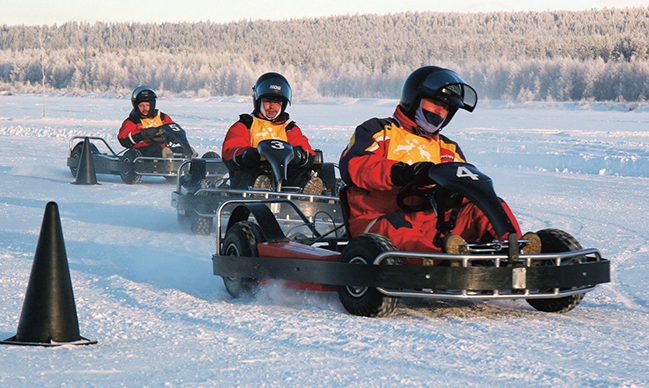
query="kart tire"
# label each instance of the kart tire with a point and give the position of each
(210, 155)
(76, 154)
(202, 226)
(183, 219)
(129, 176)
(241, 240)
(555, 241)
(367, 301)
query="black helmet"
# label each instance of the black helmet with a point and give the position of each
(439, 84)
(144, 94)
(273, 86)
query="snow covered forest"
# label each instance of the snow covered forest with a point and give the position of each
(596, 55)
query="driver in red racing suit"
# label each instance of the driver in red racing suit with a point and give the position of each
(385, 154)
(269, 120)
(141, 130)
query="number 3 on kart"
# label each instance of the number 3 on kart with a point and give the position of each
(277, 145)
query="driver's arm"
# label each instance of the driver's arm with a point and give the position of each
(296, 138)
(364, 163)
(236, 141)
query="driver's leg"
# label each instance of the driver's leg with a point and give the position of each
(154, 150)
(472, 224)
(408, 232)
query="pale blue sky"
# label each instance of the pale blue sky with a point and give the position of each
(37, 12)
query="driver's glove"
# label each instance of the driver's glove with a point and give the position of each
(401, 173)
(420, 171)
(300, 157)
(249, 158)
(149, 133)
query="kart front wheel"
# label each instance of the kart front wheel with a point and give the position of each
(75, 154)
(129, 176)
(367, 301)
(241, 240)
(556, 241)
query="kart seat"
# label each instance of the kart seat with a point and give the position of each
(344, 205)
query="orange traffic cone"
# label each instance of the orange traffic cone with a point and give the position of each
(86, 171)
(49, 314)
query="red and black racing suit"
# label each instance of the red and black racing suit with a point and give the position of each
(130, 137)
(365, 167)
(247, 133)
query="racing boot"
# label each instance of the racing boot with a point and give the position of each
(455, 245)
(167, 152)
(314, 186)
(534, 245)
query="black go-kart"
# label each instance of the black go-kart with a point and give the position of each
(198, 197)
(369, 274)
(131, 165)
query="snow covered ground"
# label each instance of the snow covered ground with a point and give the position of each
(144, 287)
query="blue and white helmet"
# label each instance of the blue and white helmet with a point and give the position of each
(273, 86)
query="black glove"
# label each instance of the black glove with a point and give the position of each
(149, 133)
(402, 173)
(249, 158)
(300, 157)
(420, 170)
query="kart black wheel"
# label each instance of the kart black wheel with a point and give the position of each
(367, 301)
(202, 226)
(76, 155)
(555, 241)
(241, 240)
(129, 176)
(183, 219)
(210, 155)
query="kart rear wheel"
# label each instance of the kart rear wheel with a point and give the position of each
(241, 240)
(76, 154)
(184, 220)
(367, 301)
(555, 241)
(210, 155)
(129, 176)
(202, 226)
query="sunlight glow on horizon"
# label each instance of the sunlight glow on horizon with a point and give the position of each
(39, 12)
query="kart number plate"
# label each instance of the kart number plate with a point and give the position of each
(519, 278)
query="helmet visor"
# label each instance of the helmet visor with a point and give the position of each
(448, 87)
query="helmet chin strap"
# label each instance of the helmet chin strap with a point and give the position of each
(428, 122)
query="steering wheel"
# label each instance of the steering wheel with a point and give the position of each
(409, 190)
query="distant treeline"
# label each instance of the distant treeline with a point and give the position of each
(565, 55)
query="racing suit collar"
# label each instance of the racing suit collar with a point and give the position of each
(410, 125)
(136, 115)
(281, 119)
